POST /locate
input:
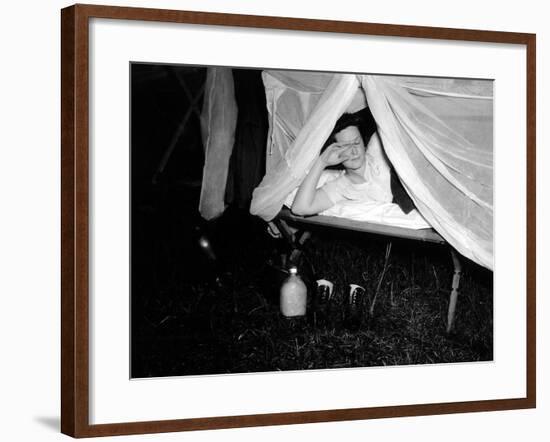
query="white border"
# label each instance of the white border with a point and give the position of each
(114, 398)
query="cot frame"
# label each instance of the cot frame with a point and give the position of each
(286, 220)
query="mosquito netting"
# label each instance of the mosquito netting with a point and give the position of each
(437, 134)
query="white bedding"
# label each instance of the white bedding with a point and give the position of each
(374, 212)
(380, 213)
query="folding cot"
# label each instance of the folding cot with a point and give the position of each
(286, 223)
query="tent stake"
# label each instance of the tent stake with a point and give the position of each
(454, 291)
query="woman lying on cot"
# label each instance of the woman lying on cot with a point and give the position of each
(355, 146)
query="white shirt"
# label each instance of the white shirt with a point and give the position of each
(377, 186)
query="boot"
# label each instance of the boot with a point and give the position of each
(355, 311)
(322, 303)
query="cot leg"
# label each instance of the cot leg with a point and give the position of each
(294, 238)
(454, 290)
(298, 244)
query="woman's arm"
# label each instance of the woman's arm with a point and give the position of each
(309, 200)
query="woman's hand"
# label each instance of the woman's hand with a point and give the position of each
(335, 154)
(309, 200)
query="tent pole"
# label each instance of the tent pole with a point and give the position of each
(177, 134)
(187, 92)
(454, 291)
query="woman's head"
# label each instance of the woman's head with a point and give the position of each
(353, 130)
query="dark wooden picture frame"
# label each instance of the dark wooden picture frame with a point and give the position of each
(75, 220)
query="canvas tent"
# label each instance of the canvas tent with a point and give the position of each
(437, 134)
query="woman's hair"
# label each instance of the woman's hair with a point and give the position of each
(362, 120)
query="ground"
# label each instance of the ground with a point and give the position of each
(196, 313)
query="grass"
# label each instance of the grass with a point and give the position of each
(187, 323)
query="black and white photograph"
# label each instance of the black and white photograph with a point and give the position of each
(288, 220)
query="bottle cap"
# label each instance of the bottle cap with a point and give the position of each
(293, 270)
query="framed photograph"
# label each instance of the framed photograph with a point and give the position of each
(272, 221)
